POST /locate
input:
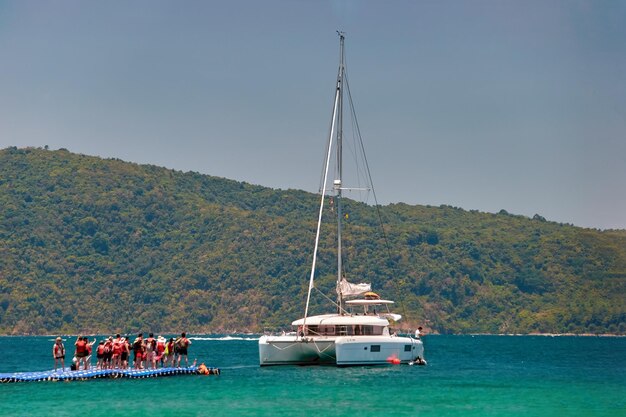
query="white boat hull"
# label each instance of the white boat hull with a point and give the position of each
(293, 350)
(377, 350)
(339, 351)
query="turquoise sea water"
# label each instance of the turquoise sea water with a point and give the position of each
(465, 376)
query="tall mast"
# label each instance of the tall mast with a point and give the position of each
(335, 116)
(337, 183)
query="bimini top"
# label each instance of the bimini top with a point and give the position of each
(337, 320)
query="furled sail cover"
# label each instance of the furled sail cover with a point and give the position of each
(347, 289)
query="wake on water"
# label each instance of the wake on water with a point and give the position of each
(223, 338)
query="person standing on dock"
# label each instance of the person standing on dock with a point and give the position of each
(82, 352)
(160, 351)
(125, 352)
(58, 353)
(108, 352)
(182, 344)
(116, 359)
(150, 347)
(169, 353)
(100, 355)
(89, 347)
(138, 349)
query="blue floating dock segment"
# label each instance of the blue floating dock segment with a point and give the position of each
(99, 373)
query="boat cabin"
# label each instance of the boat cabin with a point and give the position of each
(365, 318)
(345, 330)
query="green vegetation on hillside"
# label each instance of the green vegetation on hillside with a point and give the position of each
(97, 245)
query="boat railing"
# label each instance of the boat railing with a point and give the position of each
(277, 331)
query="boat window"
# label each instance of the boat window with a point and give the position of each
(372, 330)
(356, 330)
(407, 348)
(375, 348)
(327, 330)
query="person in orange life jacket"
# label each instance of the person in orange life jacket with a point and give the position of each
(58, 353)
(81, 352)
(116, 358)
(100, 355)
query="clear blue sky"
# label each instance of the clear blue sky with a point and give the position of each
(487, 105)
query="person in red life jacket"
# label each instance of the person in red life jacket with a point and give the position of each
(58, 353)
(182, 345)
(116, 357)
(81, 352)
(169, 353)
(160, 350)
(138, 349)
(100, 355)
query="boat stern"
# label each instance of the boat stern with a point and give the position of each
(374, 350)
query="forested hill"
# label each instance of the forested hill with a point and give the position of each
(101, 245)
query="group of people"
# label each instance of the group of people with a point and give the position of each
(115, 352)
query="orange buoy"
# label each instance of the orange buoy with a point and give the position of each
(394, 360)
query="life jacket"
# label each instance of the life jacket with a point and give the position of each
(59, 350)
(169, 348)
(100, 349)
(81, 346)
(117, 347)
(160, 347)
